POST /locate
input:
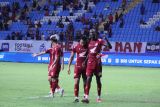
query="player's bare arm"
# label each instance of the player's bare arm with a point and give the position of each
(38, 54)
(70, 61)
(108, 44)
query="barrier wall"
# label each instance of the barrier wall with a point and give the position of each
(31, 46)
(150, 60)
(122, 53)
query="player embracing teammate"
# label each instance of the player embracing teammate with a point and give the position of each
(81, 50)
(93, 66)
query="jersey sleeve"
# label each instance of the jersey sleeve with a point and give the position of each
(102, 42)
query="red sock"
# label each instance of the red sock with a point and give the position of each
(54, 85)
(99, 86)
(76, 90)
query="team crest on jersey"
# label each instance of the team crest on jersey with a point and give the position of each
(93, 50)
(96, 44)
(82, 54)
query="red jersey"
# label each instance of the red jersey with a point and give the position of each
(56, 51)
(94, 63)
(95, 48)
(81, 54)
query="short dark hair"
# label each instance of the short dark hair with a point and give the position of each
(83, 38)
(53, 39)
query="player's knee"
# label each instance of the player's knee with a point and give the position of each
(54, 79)
(49, 78)
(76, 80)
(89, 79)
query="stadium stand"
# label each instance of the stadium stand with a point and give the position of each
(30, 19)
(133, 30)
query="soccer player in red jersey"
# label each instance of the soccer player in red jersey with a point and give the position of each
(79, 70)
(58, 88)
(94, 65)
(54, 67)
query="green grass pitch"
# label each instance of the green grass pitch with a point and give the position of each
(24, 85)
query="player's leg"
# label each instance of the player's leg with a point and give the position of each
(76, 89)
(89, 74)
(54, 78)
(77, 75)
(54, 84)
(50, 84)
(87, 89)
(88, 85)
(59, 89)
(84, 77)
(91, 68)
(98, 75)
(49, 80)
(99, 86)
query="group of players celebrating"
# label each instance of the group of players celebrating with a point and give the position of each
(88, 63)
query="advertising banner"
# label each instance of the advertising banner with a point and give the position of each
(31, 46)
(24, 46)
(108, 59)
(153, 47)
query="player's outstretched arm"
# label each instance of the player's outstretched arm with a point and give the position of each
(38, 54)
(70, 62)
